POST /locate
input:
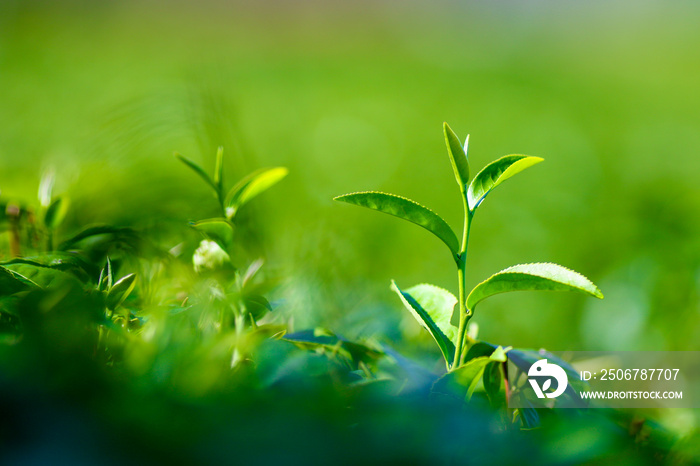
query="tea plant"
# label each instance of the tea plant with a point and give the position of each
(229, 298)
(434, 307)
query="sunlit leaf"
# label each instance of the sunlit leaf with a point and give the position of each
(458, 156)
(251, 186)
(121, 290)
(408, 210)
(429, 306)
(496, 173)
(526, 277)
(216, 229)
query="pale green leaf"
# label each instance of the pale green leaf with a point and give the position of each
(432, 307)
(56, 212)
(496, 173)
(458, 156)
(526, 277)
(408, 210)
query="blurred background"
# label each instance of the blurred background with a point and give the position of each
(351, 96)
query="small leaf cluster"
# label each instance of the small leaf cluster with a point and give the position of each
(442, 314)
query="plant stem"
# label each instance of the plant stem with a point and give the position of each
(464, 313)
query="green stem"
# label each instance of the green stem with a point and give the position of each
(464, 313)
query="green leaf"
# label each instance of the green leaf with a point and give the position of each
(440, 305)
(408, 210)
(219, 170)
(12, 282)
(121, 290)
(496, 173)
(119, 234)
(325, 341)
(43, 277)
(251, 186)
(432, 307)
(198, 170)
(526, 277)
(462, 380)
(216, 229)
(492, 383)
(466, 377)
(65, 262)
(458, 156)
(257, 306)
(56, 213)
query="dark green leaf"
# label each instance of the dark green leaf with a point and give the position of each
(257, 305)
(458, 156)
(67, 262)
(538, 276)
(492, 382)
(325, 341)
(408, 210)
(12, 282)
(216, 229)
(496, 173)
(439, 306)
(198, 170)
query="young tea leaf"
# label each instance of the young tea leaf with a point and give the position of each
(56, 213)
(408, 210)
(216, 229)
(538, 276)
(432, 307)
(496, 173)
(458, 156)
(251, 186)
(219, 170)
(121, 290)
(198, 170)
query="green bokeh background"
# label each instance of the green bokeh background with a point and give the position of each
(351, 96)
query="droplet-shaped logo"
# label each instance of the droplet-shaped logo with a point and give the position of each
(542, 369)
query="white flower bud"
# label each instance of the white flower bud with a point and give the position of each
(209, 256)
